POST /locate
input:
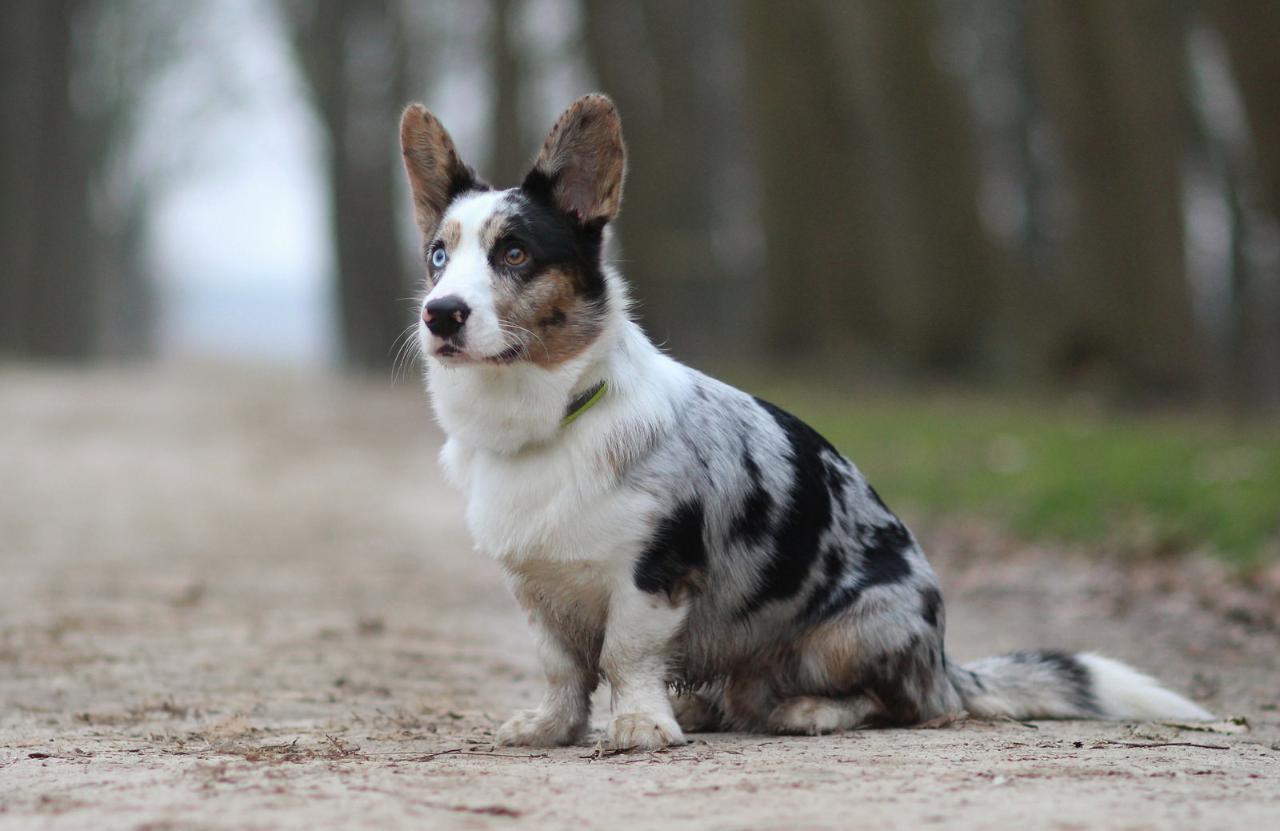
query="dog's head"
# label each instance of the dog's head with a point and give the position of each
(516, 275)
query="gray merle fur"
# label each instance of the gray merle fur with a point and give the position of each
(775, 536)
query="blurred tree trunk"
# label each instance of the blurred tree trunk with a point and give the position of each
(47, 294)
(942, 275)
(352, 57)
(509, 157)
(1113, 77)
(1251, 29)
(1252, 32)
(821, 234)
(656, 58)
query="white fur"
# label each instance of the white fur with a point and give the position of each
(467, 275)
(537, 492)
(1125, 693)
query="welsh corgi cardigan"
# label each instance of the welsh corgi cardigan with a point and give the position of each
(713, 558)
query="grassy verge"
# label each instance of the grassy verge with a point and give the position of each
(1141, 486)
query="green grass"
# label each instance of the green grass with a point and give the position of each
(1141, 486)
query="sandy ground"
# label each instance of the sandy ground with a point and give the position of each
(232, 601)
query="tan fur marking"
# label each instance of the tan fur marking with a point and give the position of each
(686, 587)
(451, 235)
(494, 227)
(829, 656)
(531, 307)
(570, 598)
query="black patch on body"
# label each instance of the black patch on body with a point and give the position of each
(931, 602)
(883, 563)
(751, 522)
(807, 517)
(1075, 676)
(675, 552)
(554, 238)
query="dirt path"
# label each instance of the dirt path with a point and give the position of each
(249, 602)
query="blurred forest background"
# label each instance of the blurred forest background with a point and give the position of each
(1042, 196)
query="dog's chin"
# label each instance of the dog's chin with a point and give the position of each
(451, 355)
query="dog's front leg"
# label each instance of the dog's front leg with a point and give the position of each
(565, 710)
(635, 660)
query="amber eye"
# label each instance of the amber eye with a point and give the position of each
(515, 256)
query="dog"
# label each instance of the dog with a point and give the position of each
(711, 556)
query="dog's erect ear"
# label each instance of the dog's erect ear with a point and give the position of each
(583, 162)
(436, 173)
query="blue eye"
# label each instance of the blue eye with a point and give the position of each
(438, 258)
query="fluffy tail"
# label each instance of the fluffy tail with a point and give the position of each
(1026, 685)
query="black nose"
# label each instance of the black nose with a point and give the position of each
(444, 317)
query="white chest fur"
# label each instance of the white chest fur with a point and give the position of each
(562, 498)
(559, 502)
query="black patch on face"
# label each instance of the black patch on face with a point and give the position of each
(464, 180)
(931, 604)
(807, 516)
(554, 238)
(675, 553)
(1076, 680)
(751, 522)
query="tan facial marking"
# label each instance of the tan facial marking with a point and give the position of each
(451, 235)
(561, 323)
(494, 227)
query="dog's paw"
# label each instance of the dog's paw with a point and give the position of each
(694, 713)
(535, 728)
(643, 731)
(812, 716)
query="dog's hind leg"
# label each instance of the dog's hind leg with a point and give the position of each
(695, 712)
(812, 715)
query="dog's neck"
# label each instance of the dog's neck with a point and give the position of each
(504, 409)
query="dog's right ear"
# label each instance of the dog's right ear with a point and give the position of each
(436, 173)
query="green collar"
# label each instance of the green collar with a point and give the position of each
(579, 405)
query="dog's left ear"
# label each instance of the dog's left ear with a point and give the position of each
(583, 162)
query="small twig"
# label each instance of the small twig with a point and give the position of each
(428, 757)
(457, 751)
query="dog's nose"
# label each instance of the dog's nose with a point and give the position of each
(444, 317)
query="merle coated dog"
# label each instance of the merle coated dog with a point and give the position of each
(713, 558)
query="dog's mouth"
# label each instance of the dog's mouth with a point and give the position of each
(454, 354)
